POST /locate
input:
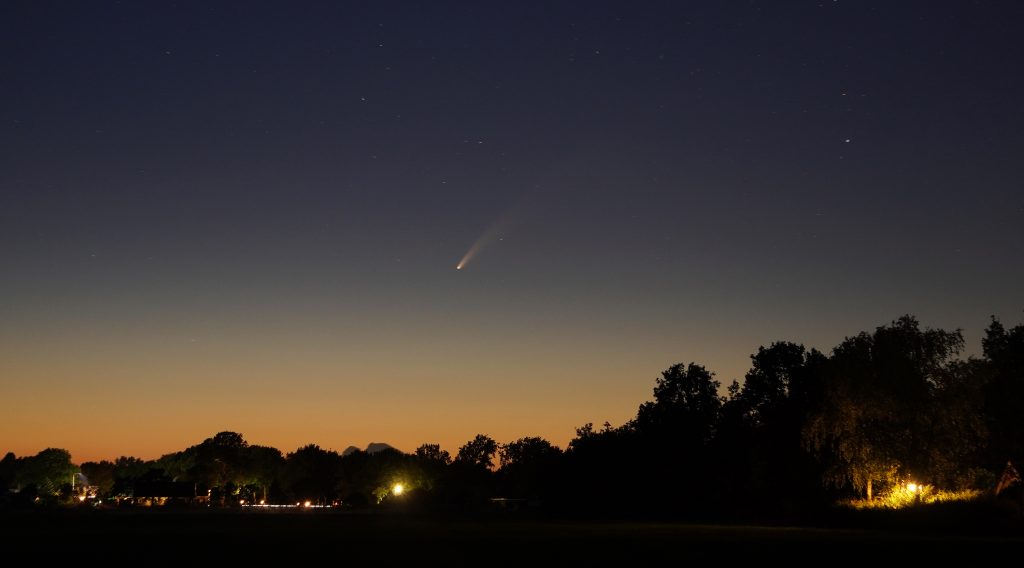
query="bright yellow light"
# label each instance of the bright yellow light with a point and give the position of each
(912, 487)
(262, 502)
(81, 497)
(307, 504)
(398, 489)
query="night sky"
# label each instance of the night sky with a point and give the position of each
(247, 216)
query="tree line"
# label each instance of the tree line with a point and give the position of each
(803, 429)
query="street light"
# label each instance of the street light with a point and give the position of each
(397, 489)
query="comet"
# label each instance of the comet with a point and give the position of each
(489, 235)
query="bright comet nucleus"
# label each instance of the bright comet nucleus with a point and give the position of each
(491, 234)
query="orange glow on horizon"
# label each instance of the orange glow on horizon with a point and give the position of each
(145, 389)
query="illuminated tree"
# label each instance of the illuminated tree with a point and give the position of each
(867, 426)
(179, 466)
(218, 462)
(262, 466)
(101, 475)
(48, 471)
(130, 468)
(126, 471)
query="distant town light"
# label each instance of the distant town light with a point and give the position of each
(307, 504)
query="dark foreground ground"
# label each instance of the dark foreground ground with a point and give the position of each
(205, 536)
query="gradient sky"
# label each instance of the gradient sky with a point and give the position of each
(247, 216)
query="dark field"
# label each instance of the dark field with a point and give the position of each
(472, 540)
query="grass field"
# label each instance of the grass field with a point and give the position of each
(468, 540)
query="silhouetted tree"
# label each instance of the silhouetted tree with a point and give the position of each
(470, 479)
(758, 447)
(952, 431)
(8, 469)
(478, 452)
(526, 451)
(779, 380)
(608, 468)
(432, 453)
(686, 405)
(1004, 393)
(529, 467)
(312, 473)
(893, 404)
(356, 482)
(673, 433)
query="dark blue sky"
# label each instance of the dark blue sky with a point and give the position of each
(267, 201)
